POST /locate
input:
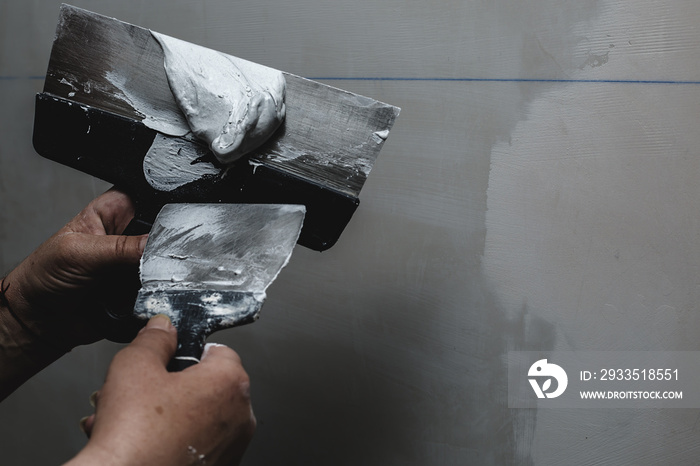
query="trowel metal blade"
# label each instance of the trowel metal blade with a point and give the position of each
(105, 85)
(330, 137)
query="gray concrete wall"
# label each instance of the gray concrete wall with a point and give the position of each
(539, 198)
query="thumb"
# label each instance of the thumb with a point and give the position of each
(155, 344)
(111, 250)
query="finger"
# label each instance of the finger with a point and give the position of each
(93, 398)
(108, 214)
(216, 355)
(154, 346)
(115, 210)
(86, 424)
(225, 364)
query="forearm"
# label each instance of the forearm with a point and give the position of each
(23, 352)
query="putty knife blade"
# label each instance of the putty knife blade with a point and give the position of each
(207, 266)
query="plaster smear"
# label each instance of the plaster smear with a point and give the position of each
(173, 162)
(592, 223)
(592, 226)
(163, 121)
(232, 104)
(591, 205)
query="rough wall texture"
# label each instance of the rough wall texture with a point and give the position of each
(533, 195)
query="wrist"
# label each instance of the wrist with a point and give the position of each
(22, 352)
(30, 323)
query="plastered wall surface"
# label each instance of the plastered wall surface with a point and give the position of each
(539, 191)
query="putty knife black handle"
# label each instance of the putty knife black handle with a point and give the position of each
(195, 318)
(192, 332)
(190, 346)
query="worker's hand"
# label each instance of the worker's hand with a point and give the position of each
(148, 416)
(46, 291)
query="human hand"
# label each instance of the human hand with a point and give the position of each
(50, 288)
(146, 415)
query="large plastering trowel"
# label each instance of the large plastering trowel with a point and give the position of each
(106, 79)
(207, 267)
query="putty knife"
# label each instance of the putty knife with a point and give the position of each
(207, 267)
(102, 71)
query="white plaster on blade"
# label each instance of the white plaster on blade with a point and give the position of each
(381, 136)
(232, 104)
(158, 306)
(254, 164)
(205, 241)
(67, 83)
(284, 152)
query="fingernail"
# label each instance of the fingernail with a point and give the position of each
(142, 243)
(209, 346)
(160, 321)
(93, 399)
(83, 424)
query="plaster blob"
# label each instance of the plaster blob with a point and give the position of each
(232, 104)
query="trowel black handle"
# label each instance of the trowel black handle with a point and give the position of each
(138, 226)
(113, 297)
